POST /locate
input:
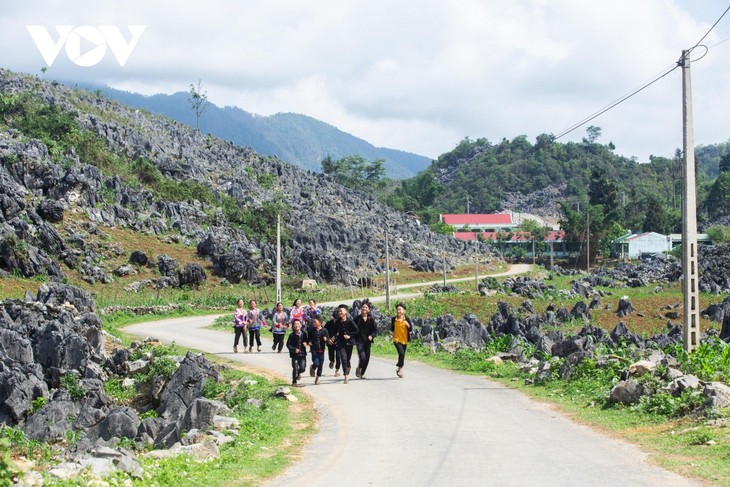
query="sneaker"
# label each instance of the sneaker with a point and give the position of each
(273, 347)
(399, 372)
(358, 372)
(278, 351)
(332, 364)
(316, 380)
(299, 377)
(311, 371)
(346, 381)
(337, 373)
(250, 349)
(259, 348)
(347, 371)
(235, 349)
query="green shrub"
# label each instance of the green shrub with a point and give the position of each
(37, 403)
(70, 382)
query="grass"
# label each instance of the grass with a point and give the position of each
(270, 437)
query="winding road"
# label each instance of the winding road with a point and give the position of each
(431, 428)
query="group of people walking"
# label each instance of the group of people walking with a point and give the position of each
(338, 337)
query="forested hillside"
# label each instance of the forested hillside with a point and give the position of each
(481, 174)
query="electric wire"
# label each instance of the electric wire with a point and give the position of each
(645, 85)
(710, 30)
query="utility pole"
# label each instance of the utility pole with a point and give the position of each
(476, 262)
(690, 274)
(278, 258)
(443, 265)
(588, 239)
(468, 198)
(387, 272)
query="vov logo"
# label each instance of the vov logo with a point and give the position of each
(85, 44)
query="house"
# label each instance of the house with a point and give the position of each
(506, 242)
(482, 222)
(633, 245)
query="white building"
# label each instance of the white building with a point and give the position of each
(632, 246)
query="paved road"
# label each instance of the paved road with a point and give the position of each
(397, 295)
(431, 428)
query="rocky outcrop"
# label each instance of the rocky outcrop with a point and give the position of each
(331, 234)
(53, 368)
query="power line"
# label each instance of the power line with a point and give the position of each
(642, 87)
(710, 30)
(617, 102)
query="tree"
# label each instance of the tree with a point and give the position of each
(537, 233)
(657, 218)
(593, 134)
(725, 163)
(718, 198)
(355, 172)
(198, 101)
(719, 234)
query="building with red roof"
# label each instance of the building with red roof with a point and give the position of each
(484, 222)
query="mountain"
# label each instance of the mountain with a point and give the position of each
(82, 175)
(292, 137)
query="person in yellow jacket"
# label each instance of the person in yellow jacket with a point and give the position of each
(401, 327)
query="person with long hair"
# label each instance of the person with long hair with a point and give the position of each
(279, 325)
(239, 326)
(254, 320)
(401, 327)
(296, 343)
(297, 312)
(345, 339)
(364, 340)
(310, 312)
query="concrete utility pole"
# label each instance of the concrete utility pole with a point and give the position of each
(690, 271)
(476, 262)
(588, 239)
(468, 198)
(443, 265)
(387, 272)
(278, 258)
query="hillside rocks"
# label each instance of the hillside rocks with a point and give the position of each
(713, 262)
(333, 234)
(53, 368)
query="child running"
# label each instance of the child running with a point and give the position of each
(317, 339)
(364, 340)
(254, 320)
(239, 326)
(331, 327)
(297, 346)
(401, 328)
(345, 338)
(310, 313)
(279, 325)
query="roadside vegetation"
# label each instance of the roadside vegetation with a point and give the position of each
(676, 431)
(272, 433)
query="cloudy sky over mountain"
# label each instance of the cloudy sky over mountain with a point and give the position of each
(411, 75)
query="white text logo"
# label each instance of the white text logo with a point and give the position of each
(85, 44)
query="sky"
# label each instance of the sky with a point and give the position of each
(414, 75)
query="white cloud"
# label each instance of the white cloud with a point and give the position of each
(417, 75)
